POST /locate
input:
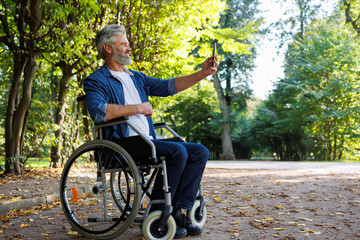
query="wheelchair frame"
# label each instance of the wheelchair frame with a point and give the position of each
(117, 186)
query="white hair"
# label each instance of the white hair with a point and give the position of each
(108, 35)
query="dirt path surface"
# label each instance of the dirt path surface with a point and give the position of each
(244, 202)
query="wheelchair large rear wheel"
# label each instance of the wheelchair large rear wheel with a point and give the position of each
(85, 190)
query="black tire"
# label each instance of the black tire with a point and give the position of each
(94, 213)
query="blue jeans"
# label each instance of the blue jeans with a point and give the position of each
(185, 163)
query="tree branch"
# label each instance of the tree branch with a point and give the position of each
(348, 17)
(9, 38)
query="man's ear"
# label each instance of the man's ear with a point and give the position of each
(108, 48)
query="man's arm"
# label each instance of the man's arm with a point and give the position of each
(114, 110)
(184, 82)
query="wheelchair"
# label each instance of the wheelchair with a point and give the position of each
(106, 186)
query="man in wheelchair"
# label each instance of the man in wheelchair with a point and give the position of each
(114, 91)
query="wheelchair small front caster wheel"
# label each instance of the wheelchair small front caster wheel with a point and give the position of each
(194, 215)
(151, 231)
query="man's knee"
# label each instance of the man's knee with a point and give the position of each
(180, 153)
(202, 153)
(205, 154)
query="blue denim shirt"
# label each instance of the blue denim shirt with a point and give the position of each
(102, 88)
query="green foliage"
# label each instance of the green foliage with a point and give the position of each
(193, 116)
(315, 107)
(296, 18)
(163, 35)
(72, 27)
(237, 34)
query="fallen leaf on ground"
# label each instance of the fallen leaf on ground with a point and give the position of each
(73, 233)
(217, 199)
(278, 229)
(311, 231)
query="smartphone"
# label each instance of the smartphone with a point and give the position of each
(214, 52)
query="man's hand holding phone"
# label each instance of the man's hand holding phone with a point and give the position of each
(210, 64)
(214, 53)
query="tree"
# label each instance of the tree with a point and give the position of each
(236, 28)
(288, 135)
(324, 66)
(315, 107)
(70, 50)
(295, 19)
(20, 34)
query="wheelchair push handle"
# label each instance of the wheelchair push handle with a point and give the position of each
(81, 98)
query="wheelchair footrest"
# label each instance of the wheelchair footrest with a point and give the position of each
(103, 219)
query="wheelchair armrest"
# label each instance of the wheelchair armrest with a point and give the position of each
(160, 125)
(176, 137)
(114, 121)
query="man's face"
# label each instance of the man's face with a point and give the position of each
(121, 51)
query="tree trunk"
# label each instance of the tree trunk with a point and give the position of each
(15, 121)
(60, 115)
(227, 148)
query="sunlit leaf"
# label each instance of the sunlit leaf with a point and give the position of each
(73, 233)
(278, 229)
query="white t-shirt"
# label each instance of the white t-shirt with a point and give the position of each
(132, 97)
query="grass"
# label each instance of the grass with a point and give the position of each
(31, 162)
(263, 158)
(38, 163)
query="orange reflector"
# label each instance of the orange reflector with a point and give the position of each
(75, 195)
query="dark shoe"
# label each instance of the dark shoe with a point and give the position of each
(182, 221)
(180, 232)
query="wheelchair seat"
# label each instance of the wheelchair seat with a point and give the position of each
(139, 150)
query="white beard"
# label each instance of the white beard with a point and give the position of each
(120, 58)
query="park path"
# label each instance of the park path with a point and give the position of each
(245, 200)
(318, 167)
